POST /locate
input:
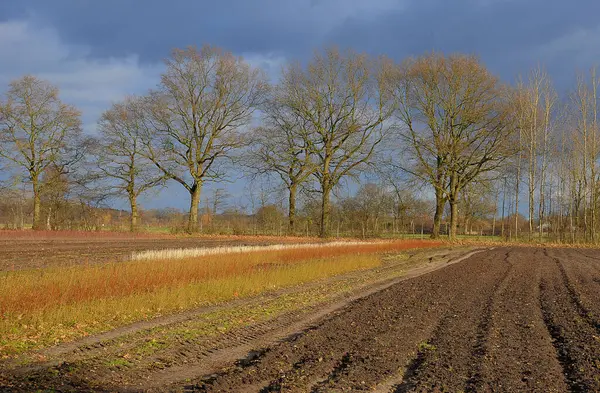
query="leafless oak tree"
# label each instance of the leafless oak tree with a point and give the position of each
(342, 102)
(458, 121)
(120, 151)
(281, 147)
(195, 118)
(36, 128)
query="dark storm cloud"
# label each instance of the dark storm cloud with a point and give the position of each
(508, 35)
(151, 28)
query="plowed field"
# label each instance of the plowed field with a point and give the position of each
(507, 320)
(502, 320)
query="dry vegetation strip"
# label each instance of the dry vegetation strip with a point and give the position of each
(182, 253)
(41, 307)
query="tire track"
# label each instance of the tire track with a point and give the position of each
(97, 344)
(320, 369)
(410, 379)
(575, 295)
(520, 354)
(380, 333)
(504, 346)
(584, 283)
(450, 359)
(480, 350)
(574, 339)
(560, 343)
(273, 332)
(190, 358)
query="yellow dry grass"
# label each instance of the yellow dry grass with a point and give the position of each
(47, 306)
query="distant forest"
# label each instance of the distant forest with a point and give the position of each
(438, 145)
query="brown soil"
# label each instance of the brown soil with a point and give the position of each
(508, 319)
(17, 254)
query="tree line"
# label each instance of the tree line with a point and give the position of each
(442, 124)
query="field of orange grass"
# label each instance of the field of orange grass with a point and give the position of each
(46, 306)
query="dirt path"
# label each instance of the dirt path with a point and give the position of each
(507, 319)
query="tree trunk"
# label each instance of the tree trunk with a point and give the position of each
(292, 209)
(439, 212)
(453, 217)
(531, 193)
(133, 227)
(37, 204)
(594, 154)
(495, 211)
(325, 211)
(542, 198)
(453, 199)
(517, 183)
(503, 206)
(48, 223)
(194, 207)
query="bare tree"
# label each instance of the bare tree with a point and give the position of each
(55, 198)
(281, 147)
(120, 153)
(458, 124)
(392, 174)
(195, 118)
(549, 98)
(342, 102)
(584, 130)
(594, 152)
(36, 128)
(477, 205)
(427, 147)
(372, 203)
(218, 200)
(535, 105)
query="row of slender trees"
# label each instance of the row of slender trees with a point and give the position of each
(441, 121)
(554, 173)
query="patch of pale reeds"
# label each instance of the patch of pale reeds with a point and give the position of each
(181, 253)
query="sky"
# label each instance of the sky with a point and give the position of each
(99, 51)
